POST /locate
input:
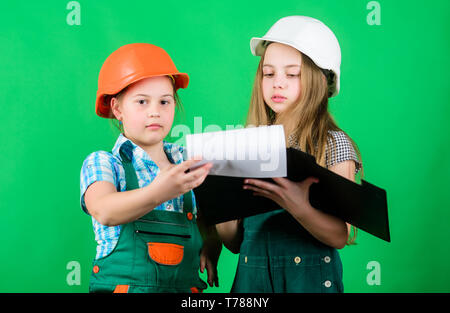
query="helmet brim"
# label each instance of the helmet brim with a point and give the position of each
(103, 109)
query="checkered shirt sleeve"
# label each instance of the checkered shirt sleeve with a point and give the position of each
(98, 166)
(341, 150)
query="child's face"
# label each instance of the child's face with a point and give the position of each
(147, 110)
(281, 76)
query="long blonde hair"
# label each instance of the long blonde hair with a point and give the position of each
(307, 122)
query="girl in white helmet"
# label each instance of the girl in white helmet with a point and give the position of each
(295, 249)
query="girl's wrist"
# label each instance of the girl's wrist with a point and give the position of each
(153, 195)
(300, 211)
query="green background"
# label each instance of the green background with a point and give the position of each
(393, 103)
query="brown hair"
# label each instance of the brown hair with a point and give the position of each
(307, 122)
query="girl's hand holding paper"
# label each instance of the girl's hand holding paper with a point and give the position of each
(175, 180)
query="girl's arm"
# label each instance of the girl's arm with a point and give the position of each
(231, 233)
(111, 208)
(294, 198)
(345, 169)
(209, 255)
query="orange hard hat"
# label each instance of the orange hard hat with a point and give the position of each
(131, 63)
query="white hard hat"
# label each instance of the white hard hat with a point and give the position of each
(309, 36)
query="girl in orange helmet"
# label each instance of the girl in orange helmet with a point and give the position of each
(139, 195)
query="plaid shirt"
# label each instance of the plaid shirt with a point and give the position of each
(341, 150)
(106, 166)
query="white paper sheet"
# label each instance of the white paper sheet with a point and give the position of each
(257, 152)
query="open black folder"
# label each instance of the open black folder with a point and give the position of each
(222, 198)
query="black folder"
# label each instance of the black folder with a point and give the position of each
(222, 198)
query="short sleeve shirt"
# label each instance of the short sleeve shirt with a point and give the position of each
(107, 166)
(341, 150)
